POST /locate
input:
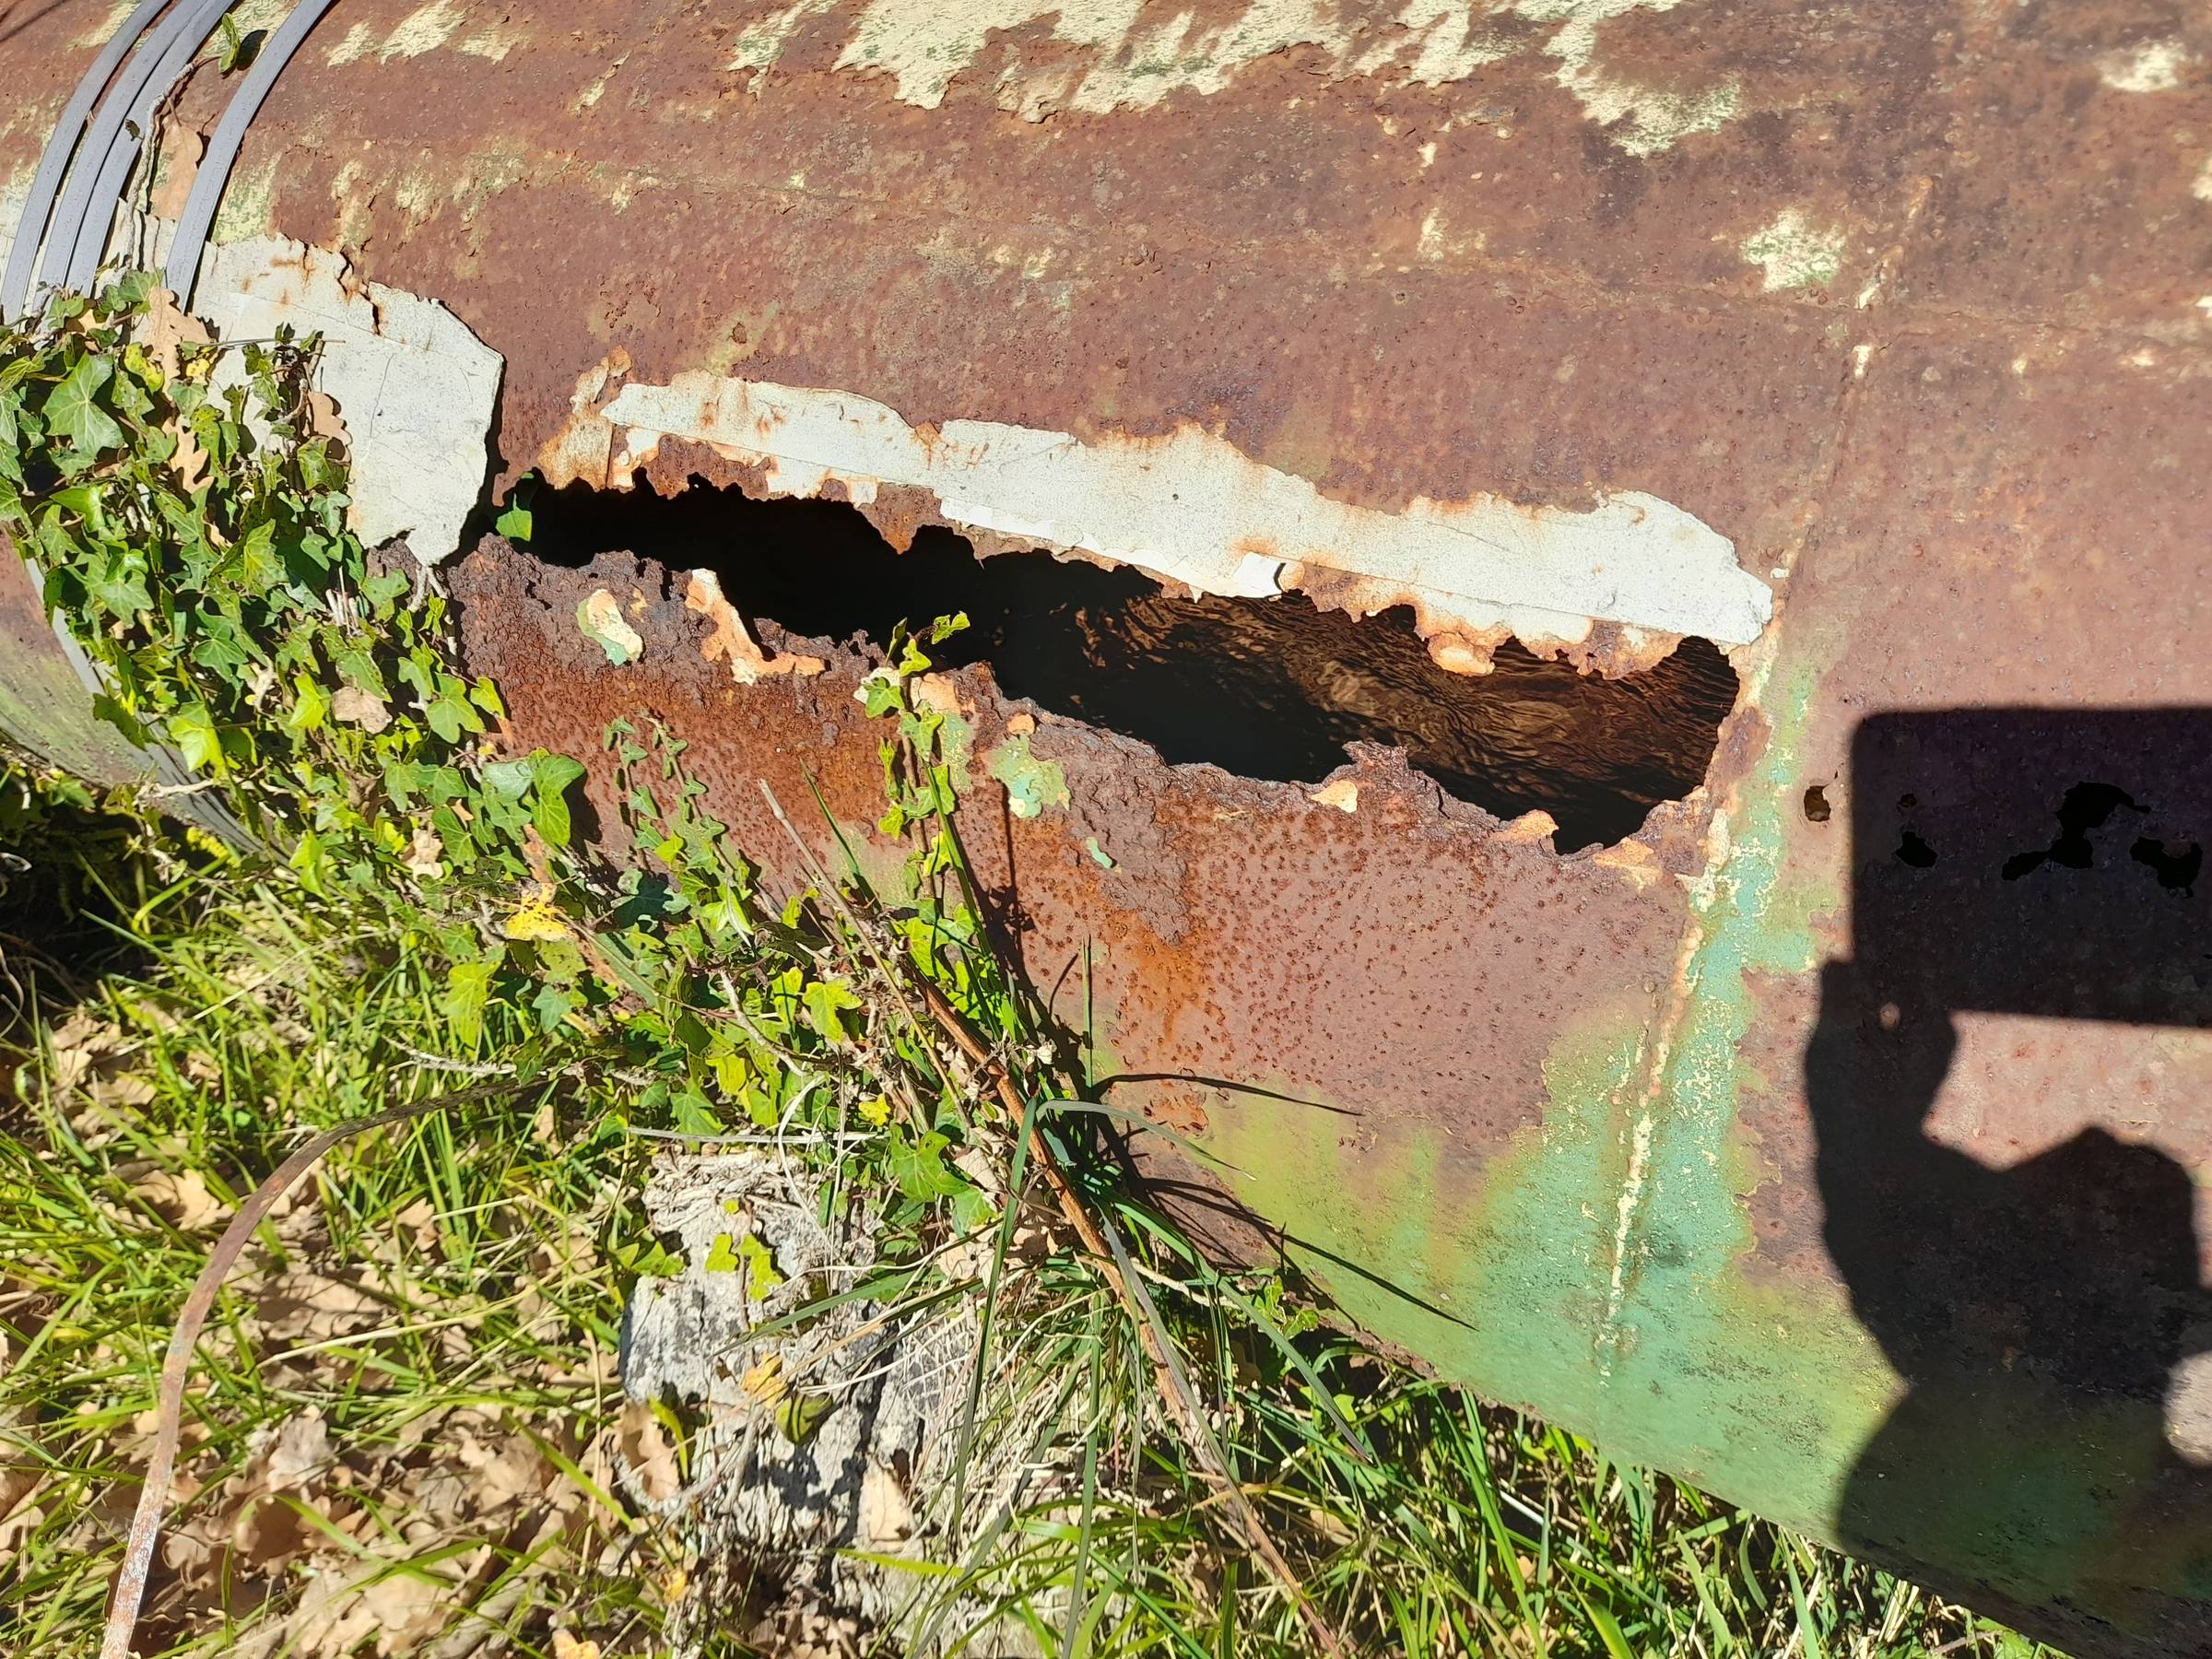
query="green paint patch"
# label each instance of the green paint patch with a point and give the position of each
(1099, 854)
(599, 619)
(1032, 785)
(1594, 1270)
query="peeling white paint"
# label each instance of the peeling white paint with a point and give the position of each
(247, 16)
(2154, 66)
(425, 29)
(2201, 186)
(493, 43)
(1140, 54)
(1452, 45)
(415, 387)
(1193, 509)
(99, 34)
(1656, 119)
(597, 89)
(1793, 252)
(359, 42)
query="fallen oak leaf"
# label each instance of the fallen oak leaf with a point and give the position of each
(182, 1199)
(646, 1449)
(356, 707)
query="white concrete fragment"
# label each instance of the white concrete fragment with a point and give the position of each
(413, 386)
(1190, 508)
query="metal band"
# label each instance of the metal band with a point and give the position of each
(207, 195)
(54, 162)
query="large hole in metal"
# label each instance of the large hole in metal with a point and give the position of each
(1267, 689)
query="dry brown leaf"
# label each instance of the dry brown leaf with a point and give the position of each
(421, 1220)
(79, 1044)
(324, 420)
(646, 1449)
(297, 1453)
(190, 461)
(505, 1469)
(167, 327)
(121, 1090)
(356, 707)
(566, 1646)
(400, 1612)
(181, 147)
(425, 853)
(166, 330)
(886, 1515)
(304, 1306)
(17, 1526)
(182, 1199)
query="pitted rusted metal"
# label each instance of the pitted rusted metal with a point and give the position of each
(1910, 304)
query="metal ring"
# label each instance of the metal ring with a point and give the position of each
(152, 70)
(53, 162)
(198, 217)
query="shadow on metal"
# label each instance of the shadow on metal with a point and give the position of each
(2016, 862)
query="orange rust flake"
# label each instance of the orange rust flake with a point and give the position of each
(1633, 860)
(748, 664)
(1531, 827)
(1343, 794)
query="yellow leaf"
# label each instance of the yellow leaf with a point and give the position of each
(765, 1381)
(536, 918)
(876, 1111)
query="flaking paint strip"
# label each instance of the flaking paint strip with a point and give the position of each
(1190, 508)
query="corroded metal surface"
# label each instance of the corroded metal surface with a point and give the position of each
(1759, 1145)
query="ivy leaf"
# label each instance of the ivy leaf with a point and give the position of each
(311, 861)
(382, 591)
(760, 1265)
(799, 1414)
(552, 1006)
(73, 411)
(259, 569)
(191, 729)
(467, 989)
(514, 523)
(825, 1001)
(311, 708)
(689, 1113)
(11, 434)
(972, 1209)
(879, 694)
(550, 776)
(118, 584)
(444, 721)
(917, 1167)
(359, 669)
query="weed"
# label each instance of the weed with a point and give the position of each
(405, 1422)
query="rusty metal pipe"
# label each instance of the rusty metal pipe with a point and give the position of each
(1786, 1142)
